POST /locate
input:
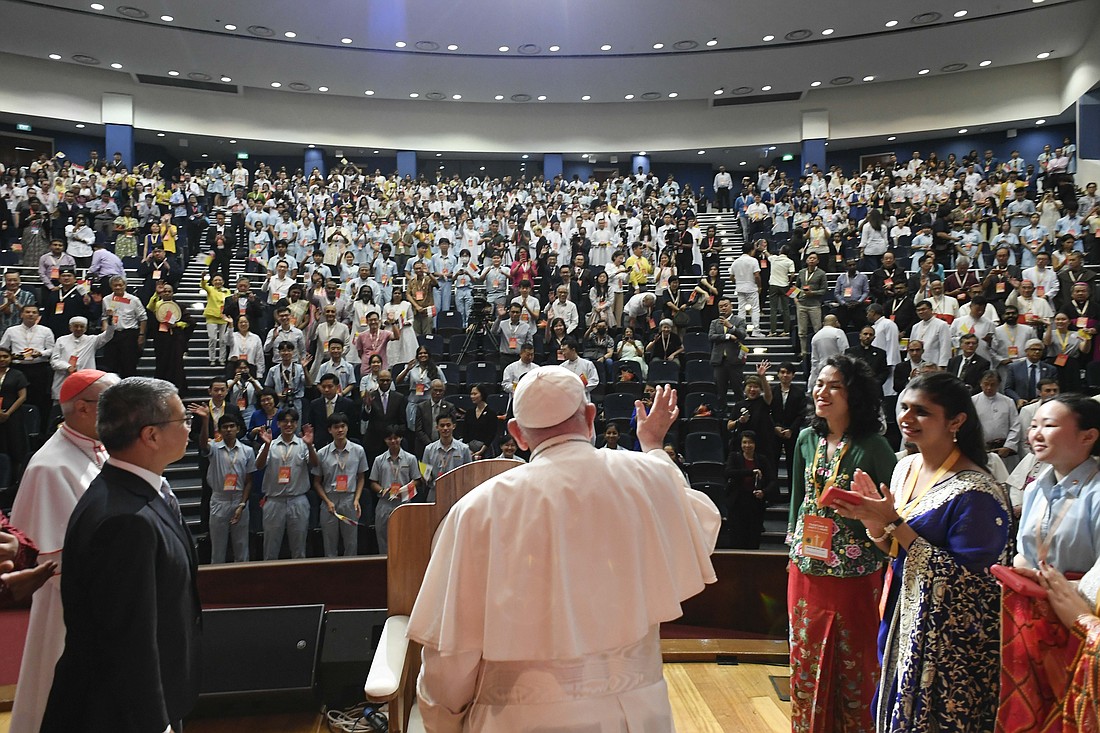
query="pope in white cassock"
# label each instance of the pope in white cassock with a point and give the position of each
(54, 481)
(541, 603)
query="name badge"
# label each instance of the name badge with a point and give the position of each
(59, 308)
(419, 390)
(1013, 351)
(513, 342)
(887, 282)
(1082, 322)
(123, 301)
(341, 484)
(241, 403)
(55, 273)
(156, 274)
(817, 536)
(284, 475)
(1061, 360)
(230, 483)
(1040, 292)
(72, 360)
(847, 292)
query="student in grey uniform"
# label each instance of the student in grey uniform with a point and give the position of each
(229, 476)
(288, 460)
(338, 480)
(445, 454)
(395, 478)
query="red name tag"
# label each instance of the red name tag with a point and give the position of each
(284, 475)
(230, 483)
(341, 484)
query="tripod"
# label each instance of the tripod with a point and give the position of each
(475, 329)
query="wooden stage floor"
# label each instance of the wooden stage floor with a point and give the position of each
(706, 698)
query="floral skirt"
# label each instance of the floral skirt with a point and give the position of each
(834, 657)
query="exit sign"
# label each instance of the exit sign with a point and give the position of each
(23, 127)
(242, 156)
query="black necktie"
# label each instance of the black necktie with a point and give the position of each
(1032, 381)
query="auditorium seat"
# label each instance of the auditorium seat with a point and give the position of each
(482, 372)
(618, 407)
(706, 447)
(663, 372)
(699, 375)
(434, 344)
(696, 345)
(498, 403)
(452, 372)
(692, 400)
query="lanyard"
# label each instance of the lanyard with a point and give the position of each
(907, 504)
(838, 456)
(1063, 341)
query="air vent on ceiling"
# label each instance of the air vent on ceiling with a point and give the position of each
(261, 31)
(926, 18)
(743, 90)
(758, 99)
(529, 49)
(799, 35)
(299, 86)
(81, 58)
(180, 83)
(436, 96)
(840, 81)
(132, 12)
(685, 45)
(427, 45)
(651, 95)
(521, 97)
(199, 76)
(953, 67)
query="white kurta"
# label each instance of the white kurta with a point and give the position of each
(54, 481)
(540, 607)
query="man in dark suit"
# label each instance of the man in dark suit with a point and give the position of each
(131, 604)
(883, 279)
(223, 248)
(1074, 272)
(319, 410)
(968, 365)
(911, 367)
(426, 414)
(872, 356)
(727, 333)
(788, 414)
(900, 309)
(244, 302)
(383, 408)
(157, 268)
(1022, 382)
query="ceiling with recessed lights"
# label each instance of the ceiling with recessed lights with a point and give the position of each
(551, 51)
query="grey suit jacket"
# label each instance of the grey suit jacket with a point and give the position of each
(723, 349)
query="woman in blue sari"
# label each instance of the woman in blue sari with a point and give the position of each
(944, 521)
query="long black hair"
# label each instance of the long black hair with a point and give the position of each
(953, 395)
(864, 397)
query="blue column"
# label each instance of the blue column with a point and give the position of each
(551, 165)
(406, 163)
(639, 161)
(119, 139)
(1088, 127)
(813, 152)
(313, 158)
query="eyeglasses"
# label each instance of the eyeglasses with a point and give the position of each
(186, 420)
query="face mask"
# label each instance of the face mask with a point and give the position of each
(465, 259)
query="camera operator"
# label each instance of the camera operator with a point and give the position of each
(512, 333)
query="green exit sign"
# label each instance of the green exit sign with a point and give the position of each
(788, 156)
(242, 156)
(23, 127)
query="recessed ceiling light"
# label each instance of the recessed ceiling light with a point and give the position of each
(541, 97)
(815, 83)
(290, 34)
(481, 168)
(891, 23)
(1040, 122)
(1036, 1)
(827, 32)
(276, 84)
(414, 95)
(629, 96)
(227, 79)
(892, 138)
(322, 89)
(922, 72)
(658, 46)
(456, 96)
(230, 27)
(719, 92)
(673, 95)
(987, 62)
(962, 130)
(80, 125)
(700, 152)
(960, 13)
(345, 40)
(232, 142)
(605, 47)
(311, 145)
(160, 134)
(173, 72)
(769, 38)
(400, 44)
(712, 42)
(503, 49)
(97, 6)
(55, 56)
(766, 88)
(206, 155)
(167, 18)
(743, 162)
(1043, 55)
(439, 155)
(499, 97)
(452, 47)
(642, 152)
(586, 97)
(369, 92)
(525, 156)
(555, 49)
(116, 65)
(869, 77)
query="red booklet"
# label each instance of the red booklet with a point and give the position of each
(1014, 581)
(833, 494)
